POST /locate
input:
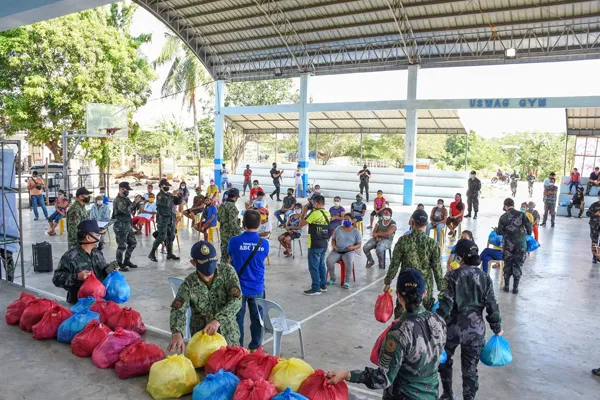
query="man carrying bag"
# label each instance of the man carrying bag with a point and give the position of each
(248, 253)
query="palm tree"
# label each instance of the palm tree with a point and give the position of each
(186, 76)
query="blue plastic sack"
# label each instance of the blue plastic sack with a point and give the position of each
(443, 357)
(75, 324)
(563, 203)
(219, 386)
(495, 239)
(83, 304)
(436, 305)
(532, 244)
(496, 352)
(117, 288)
(287, 394)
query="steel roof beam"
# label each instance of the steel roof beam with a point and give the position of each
(195, 4)
(404, 29)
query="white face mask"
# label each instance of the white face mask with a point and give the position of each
(387, 217)
(102, 194)
(297, 211)
(440, 205)
(317, 190)
(99, 202)
(472, 176)
(336, 203)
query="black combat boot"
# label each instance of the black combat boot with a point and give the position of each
(475, 216)
(152, 255)
(569, 213)
(170, 255)
(506, 284)
(594, 260)
(516, 286)
(468, 215)
(129, 264)
(122, 266)
(447, 394)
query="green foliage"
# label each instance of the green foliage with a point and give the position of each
(49, 71)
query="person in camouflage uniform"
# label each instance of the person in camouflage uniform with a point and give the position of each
(229, 221)
(594, 213)
(513, 226)
(81, 261)
(213, 293)
(514, 181)
(123, 227)
(473, 194)
(76, 214)
(410, 355)
(466, 291)
(165, 222)
(420, 252)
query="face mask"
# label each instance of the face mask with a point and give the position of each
(212, 182)
(99, 202)
(379, 195)
(198, 193)
(472, 176)
(317, 190)
(523, 209)
(336, 203)
(290, 193)
(255, 186)
(125, 193)
(182, 187)
(358, 200)
(531, 208)
(347, 224)
(387, 217)
(165, 188)
(94, 240)
(298, 169)
(86, 199)
(102, 194)
(151, 200)
(263, 219)
(207, 269)
(297, 211)
(60, 196)
(440, 205)
(457, 198)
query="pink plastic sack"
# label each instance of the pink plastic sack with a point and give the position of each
(48, 325)
(106, 309)
(106, 354)
(16, 308)
(315, 387)
(128, 319)
(226, 358)
(256, 366)
(251, 390)
(84, 343)
(378, 343)
(34, 312)
(384, 307)
(92, 287)
(137, 359)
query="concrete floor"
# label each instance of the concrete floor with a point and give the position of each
(549, 324)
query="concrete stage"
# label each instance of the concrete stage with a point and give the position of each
(551, 325)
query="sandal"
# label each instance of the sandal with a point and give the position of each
(370, 264)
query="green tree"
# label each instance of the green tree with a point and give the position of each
(49, 71)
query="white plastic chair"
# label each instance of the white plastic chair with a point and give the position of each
(279, 326)
(293, 248)
(175, 283)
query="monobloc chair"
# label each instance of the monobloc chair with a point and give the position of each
(279, 326)
(175, 283)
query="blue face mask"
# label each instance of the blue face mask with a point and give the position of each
(347, 224)
(207, 269)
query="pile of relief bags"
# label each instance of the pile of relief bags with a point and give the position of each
(232, 373)
(96, 326)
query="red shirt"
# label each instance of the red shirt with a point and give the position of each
(454, 208)
(247, 174)
(254, 191)
(379, 203)
(575, 176)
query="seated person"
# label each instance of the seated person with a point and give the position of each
(105, 199)
(255, 189)
(61, 204)
(292, 230)
(316, 192)
(438, 217)
(149, 190)
(209, 217)
(337, 213)
(264, 230)
(147, 213)
(379, 203)
(381, 238)
(257, 204)
(346, 239)
(578, 201)
(184, 194)
(452, 263)
(212, 191)
(593, 181)
(287, 208)
(226, 192)
(525, 210)
(457, 209)
(138, 207)
(419, 207)
(358, 208)
(495, 253)
(197, 205)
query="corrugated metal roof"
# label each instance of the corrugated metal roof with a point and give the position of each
(383, 122)
(583, 121)
(262, 39)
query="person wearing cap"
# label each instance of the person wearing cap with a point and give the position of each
(467, 290)
(550, 196)
(276, 175)
(228, 216)
(76, 214)
(473, 194)
(513, 226)
(298, 182)
(594, 213)
(379, 204)
(382, 238)
(247, 179)
(514, 181)
(364, 175)
(165, 221)
(358, 208)
(81, 261)
(410, 354)
(418, 251)
(213, 294)
(123, 209)
(212, 191)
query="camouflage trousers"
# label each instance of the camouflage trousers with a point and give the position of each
(513, 263)
(165, 232)
(224, 244)
(473, 203)
(428, 302)
(126, 242)
(469, 358)
(8, 264)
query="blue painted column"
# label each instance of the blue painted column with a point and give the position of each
(303, 131)
(410, 156)
(219, 129)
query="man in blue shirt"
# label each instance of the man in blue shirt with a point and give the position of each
(251, 271)
(209, 217)
(105, 198)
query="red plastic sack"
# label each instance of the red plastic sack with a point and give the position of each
(315, 387)
(92, 287)
(48, 325)
(128, 319)
(106, 354)
(251, 390)
(84, 343)
(137, 359)
(384, 307)
(34, 312)
(106, 309)
(378, 343)
(226, 358)
(16, 308)
(256, 366)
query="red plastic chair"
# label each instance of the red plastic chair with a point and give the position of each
(343, 272)
(147, 225)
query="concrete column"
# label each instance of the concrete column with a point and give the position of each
(303, 130)
(410, 156)
(219, 129)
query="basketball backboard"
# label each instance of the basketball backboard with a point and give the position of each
(109, 119)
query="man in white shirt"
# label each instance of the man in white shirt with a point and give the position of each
(224, 177)
(264, 230)
(298, 182)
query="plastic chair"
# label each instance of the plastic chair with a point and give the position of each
(148, 226)
(501, 264)
(293, 248)
(360, 227)
(213, 232)
(442, 239)
(61, 226)
(279, 326)
(384, 258)
(175, 283)
(343, 272)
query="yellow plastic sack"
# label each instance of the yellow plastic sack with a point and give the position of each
(290, 373)
(202, 346)
(172, 377)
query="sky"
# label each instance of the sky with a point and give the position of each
(577, 78)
